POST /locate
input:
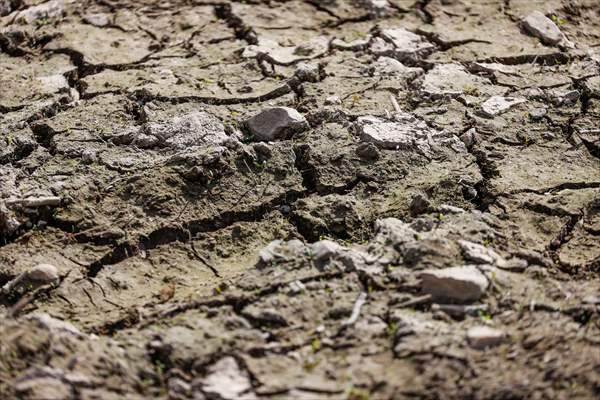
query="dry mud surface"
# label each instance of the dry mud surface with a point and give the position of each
(345, 199)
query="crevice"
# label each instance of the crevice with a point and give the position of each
(186, 231)
(242, 31)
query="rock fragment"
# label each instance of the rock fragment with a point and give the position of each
(276, 123)
(386, 66)
(192, 129)
(480, 254)
(287, 55)
(405, 45)
(497, 105)
(226, 381)
(41, 274)
(542, 27)
(456, 284)
(452, 80)
(482, 337)
(406, 132)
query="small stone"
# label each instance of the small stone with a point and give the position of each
(537, 114)
(263, 149)
(497, 105)
(7, 6)
(448, 209)
(193, 129)
(561, 97)
(47, 10)
(367, 151)
(480, 254)
(405, 44)
(482, 337)
(89, 156)
(455, 284)
(470, 138)
(287, 55)
(324, 250)
(296, 287)
(308, 72)
(358, 44)
(226, 381)
(333, 101)
(406, 132)
(44, 273)
(542, 27)
(99, 20)
(386, 66)
(419, 205)
(41, 274)
(276, 123)
(452, 80)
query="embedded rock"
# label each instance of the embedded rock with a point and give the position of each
(542, 27)
(455, 284)
(276, 123)
(497, 105)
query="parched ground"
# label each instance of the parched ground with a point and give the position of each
(429, 228)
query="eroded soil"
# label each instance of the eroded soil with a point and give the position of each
(196, 262)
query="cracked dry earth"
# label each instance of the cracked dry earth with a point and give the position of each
(337, 199)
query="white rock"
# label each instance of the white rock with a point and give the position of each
(50, 9)
(287, 55)
(276, 123)
(405, 44)
(407, 132)
(357, 44)
(392, 231)
(324, 250)
(451, 80)
(542, 27)
(385, 66)
(481, 337)
(480, 254)
(497, 105)
(455, 284)
(308, 72)
(193, 129)
(227, 381)
(41, 274)
(279, 250)
(45, 273)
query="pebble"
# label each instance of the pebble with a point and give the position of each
(226, 381)
(455, 284)
(192, 129)
(480, 254)
(387, 66)
(324, 250)
(482, 337)
(537, 114)
(542, 27)
(368, 151)
(41, 274)
(307, 72)
(497, 105)
(276, 123)
(451, 80)
(406, 45)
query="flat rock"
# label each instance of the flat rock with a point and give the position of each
(387, 66)
(456, 284)
(276, 123)
(497, 105)
(482, 337)
(452, 80)
(405, 132)
(402, 44)
(193, 129)
(542, 27)
(480, 254)
(226, 381)
(287, 55)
